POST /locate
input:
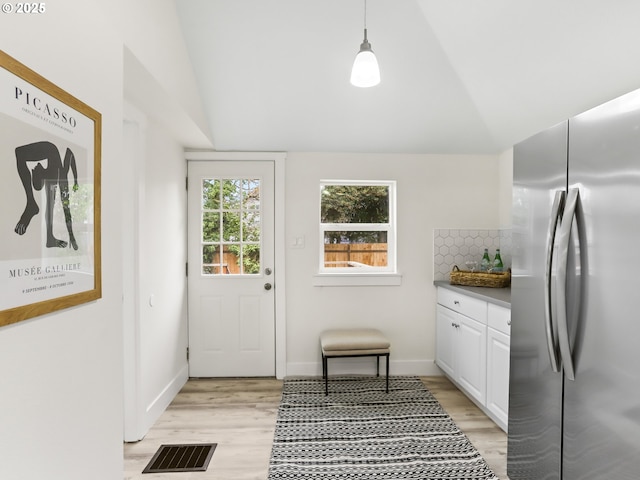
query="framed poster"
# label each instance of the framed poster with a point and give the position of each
(50, 144)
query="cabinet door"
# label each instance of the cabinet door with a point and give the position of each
(498, 345)
(472, 357)
(445, 340)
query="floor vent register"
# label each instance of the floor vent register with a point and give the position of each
(181, 458)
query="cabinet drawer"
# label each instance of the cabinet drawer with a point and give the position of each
(471, 307)
(499, 318)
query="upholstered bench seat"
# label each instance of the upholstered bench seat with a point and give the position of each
(353, 342)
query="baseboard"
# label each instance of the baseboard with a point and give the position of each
(162, 401)
(364, 366)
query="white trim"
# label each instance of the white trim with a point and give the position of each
(279, 159)
(133, 189)
(159, 404)
(356, 279)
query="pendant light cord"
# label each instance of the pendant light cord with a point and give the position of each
(365, 20)
(365, 14)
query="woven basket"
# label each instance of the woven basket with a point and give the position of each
(479, 279)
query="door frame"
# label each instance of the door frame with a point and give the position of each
(278, 159)
(134, 125)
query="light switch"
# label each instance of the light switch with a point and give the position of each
(297, 242)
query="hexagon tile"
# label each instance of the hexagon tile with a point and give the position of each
(455, 247)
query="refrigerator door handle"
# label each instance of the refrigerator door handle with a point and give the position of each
(550, 320)
(561, 286)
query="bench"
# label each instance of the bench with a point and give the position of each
(353, 342)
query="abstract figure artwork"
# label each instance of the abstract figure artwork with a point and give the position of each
(54, 176)
(50, 169)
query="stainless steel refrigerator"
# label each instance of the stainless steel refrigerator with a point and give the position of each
(574, 402)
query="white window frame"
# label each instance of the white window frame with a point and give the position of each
(328, 276)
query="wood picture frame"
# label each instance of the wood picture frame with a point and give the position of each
(50, 158)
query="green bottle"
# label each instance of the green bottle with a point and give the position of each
(485, 263)
(498, 266)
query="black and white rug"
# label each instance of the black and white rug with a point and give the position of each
(359, 432)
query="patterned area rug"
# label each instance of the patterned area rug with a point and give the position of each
(359, 432)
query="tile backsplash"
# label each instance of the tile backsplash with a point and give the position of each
(455, 247)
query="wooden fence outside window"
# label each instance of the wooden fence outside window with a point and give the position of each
(355, 255)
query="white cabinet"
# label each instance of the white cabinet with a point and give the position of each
(472, 357)
(461, 350)
(498, 374)
(498, 348)
(446, 336)
(461, 343)
(472, 349)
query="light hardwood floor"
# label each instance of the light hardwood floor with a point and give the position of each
(239, 415)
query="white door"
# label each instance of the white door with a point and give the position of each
(230, 272)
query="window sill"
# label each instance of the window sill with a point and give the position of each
(356, 279)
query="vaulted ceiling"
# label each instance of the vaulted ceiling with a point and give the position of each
(458, 76)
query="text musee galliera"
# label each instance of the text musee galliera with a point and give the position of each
(39, 270)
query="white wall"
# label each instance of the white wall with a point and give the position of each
(434, 191)
(160, 85)
(61, 403)
(506, 187)
(163, 288)
(154, 247)
(152, 32)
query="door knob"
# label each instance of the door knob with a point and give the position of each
(267, 286)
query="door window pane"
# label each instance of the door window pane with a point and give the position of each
(210, 194)
(251, 193)
(251, 226)
(211, 226)
(250, 259)
(231, 226)
(231, 194)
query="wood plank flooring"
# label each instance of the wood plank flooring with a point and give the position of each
(239, 415)
(485, 435)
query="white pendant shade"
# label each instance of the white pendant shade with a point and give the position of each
(365, 72)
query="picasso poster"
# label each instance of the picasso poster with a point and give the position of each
(50, 145)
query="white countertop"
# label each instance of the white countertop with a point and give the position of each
(498, 296)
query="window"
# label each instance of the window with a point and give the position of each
(357, 227)
(231, 226)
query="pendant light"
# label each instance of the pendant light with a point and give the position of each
(365, 71)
